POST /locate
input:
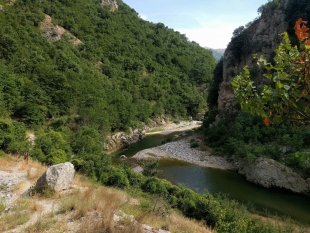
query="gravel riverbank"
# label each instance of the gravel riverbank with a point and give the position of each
(175, 127)
(181, 150)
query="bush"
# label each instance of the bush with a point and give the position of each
(149, 167)
(51, 147)
(118, 179)
(246, 136)
(154, 185)
(13, 136)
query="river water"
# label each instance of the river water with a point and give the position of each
(201, 179)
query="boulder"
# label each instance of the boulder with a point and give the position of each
(57, 177)
(270, 173)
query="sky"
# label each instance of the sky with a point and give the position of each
(207, 22)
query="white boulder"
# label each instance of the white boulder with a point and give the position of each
(57, 177)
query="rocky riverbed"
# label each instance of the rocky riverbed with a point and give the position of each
(172, 127)
(160, 126)
(182, 150)
(263, 171)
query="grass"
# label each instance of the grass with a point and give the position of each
(99, 199)
(20, 187)
(2, 206)
(42, 224)
(18, 215)
(7, 162)
(150, 211)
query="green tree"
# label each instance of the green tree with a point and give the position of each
(287, 96)
(51, 147)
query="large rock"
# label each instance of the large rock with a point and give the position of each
(122, 139)
(57, 177)
(269, 173)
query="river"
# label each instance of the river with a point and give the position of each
(275, 201)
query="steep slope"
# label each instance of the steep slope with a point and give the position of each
(261, 37)
(120, 70)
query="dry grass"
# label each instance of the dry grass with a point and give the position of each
(93, 198)
(34, 170)
(180, 224)
(7, 162)
(41, 225)
(20, 187)
(86, 207)
(158, 214)
(19, 214)
(282, 223)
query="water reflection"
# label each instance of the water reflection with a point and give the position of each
(227, 182)
(237, 187)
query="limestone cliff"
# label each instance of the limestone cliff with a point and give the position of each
(111, 3)
(262, 37)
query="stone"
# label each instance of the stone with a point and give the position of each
(111, 3)
(123, 157)
(270, 173)
(57, 177)
(138, 169)
(122, 139)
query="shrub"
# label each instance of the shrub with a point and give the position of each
(149, 167)
(154, 185)
(118, 179)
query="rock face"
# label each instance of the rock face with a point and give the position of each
(57, 177)
(56, 32)
(261, 37)
(269, 173)
(122, 139)
(111, 3)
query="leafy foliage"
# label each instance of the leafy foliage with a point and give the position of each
(13, 137)
(149, 167)
(246, 136)
(288, 95)
(125, 71)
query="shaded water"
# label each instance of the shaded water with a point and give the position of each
(278, 201)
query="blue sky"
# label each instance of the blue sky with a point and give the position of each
(208, 22)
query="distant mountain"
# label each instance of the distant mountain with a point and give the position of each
(217, 53)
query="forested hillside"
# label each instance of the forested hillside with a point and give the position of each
(123, 70)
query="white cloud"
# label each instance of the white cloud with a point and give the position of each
(214, 35)
(144, 17)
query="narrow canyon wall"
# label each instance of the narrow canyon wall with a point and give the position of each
(262, 37)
